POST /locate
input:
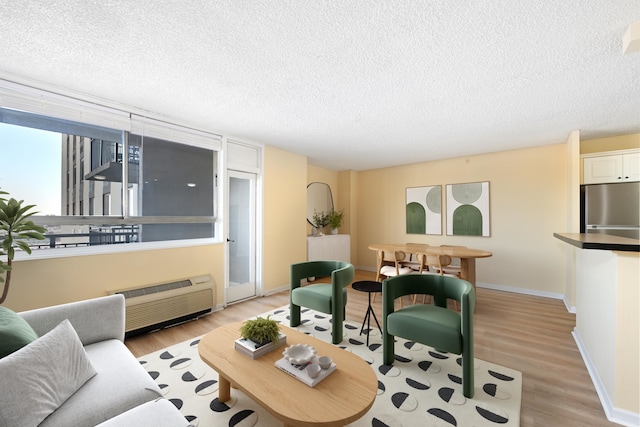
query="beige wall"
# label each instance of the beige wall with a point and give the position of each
(613, 143)
(528, 204)
(627, 374)
(38, 283)
(285, 210)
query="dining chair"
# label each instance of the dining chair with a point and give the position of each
(329, 298)
(391, 266)
(431, 324)
(412, 260)
(454, 267)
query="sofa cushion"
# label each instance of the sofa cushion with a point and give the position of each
(42, 376)
(15, 332)
(120, 384)
(157, 413)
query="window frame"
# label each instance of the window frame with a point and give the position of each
(72, 108)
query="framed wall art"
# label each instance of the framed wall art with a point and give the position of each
(468, 209)
(424, 210)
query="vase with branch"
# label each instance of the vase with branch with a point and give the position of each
(320, 221)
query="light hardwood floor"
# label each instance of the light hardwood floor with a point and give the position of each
(527, 333)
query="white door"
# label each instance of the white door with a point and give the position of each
(242, 236)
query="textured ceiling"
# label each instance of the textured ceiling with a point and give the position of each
(350, 84)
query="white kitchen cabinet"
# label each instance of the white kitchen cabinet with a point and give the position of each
(611, 167)
(330, 247)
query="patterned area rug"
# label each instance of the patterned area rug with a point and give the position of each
(422, 387)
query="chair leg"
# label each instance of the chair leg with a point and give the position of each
(294, 315)
(336, 332)
(468, 375)
(337, 320)
(388, 350)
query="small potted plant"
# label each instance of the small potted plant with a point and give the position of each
(335, 220)
(261, 331)
(320, 220)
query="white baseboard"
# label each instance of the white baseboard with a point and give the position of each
(276, 290)
(570, 308)
(524, 291)
(615, 415)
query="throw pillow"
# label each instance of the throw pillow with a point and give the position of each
(15, 332)
(41, 376)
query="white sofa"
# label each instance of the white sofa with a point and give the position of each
(120, 385)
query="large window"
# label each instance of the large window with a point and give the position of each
(95, 185)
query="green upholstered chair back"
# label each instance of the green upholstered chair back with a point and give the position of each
(326, 298)
(435, 325)
(441, 287)
(343, 272)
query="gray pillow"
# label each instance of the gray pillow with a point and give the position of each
(41, 376)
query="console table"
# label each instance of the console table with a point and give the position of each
(334, 247)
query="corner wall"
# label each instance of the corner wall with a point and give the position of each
(285, 212)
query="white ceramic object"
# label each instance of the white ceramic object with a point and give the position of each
(325, 362)
(313, 369)
(299, 354)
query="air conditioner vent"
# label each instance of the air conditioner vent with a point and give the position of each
(154, 289)
(151, 307)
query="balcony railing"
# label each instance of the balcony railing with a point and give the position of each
(95, 236)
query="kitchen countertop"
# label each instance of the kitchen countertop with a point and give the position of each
(599, 241)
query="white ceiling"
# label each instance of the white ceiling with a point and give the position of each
(350, 84)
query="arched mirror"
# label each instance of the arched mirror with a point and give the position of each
(319, 199)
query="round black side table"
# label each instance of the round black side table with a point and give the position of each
(370, 287)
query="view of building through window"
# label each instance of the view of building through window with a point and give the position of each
(77, 181)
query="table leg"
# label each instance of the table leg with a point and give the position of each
(224, 389)
(468, 270)
(375, 318)
(379, 259)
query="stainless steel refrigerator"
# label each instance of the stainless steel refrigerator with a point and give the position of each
(611, 209)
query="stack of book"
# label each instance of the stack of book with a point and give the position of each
(299, 373)
(255, 350)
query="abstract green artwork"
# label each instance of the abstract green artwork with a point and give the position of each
(468, 209)
(424, 210)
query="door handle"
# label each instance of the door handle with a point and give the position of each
(230, 241)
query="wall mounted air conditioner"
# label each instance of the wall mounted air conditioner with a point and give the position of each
(157, 306)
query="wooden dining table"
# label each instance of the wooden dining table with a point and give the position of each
(467, 255)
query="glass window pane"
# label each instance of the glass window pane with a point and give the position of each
(31, 167)
(72, 169)
(177, 179)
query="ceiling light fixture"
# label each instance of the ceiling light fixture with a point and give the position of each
(631, 39)
(191, 184)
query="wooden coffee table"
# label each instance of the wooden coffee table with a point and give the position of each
(341, 398)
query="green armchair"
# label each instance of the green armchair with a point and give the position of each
(432, 325)
(329, 298)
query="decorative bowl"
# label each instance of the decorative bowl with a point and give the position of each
(299, 354)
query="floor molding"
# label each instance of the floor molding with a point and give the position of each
(615, 415)
(533, 292)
